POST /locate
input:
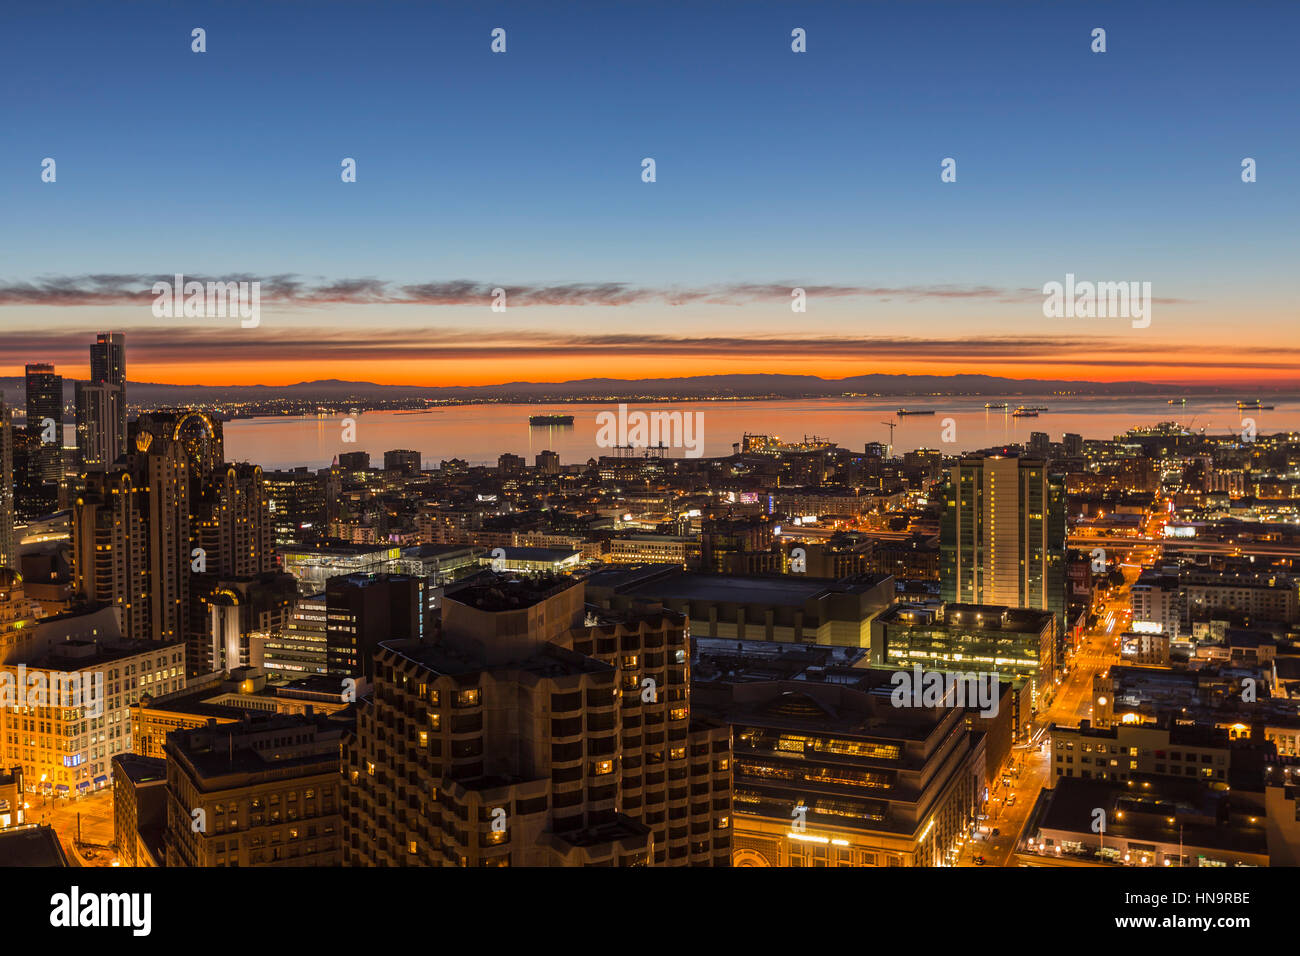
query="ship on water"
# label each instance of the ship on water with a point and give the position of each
(1023, 412)
(550, 419)
(908, 411)
(1177, 401)
(1253, 404)
(995, 405)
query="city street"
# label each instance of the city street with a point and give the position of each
(1029, 766)
(96, 813)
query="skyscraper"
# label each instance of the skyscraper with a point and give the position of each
(7, 544)
(108, 367)
(45, 429)
(99, 406)
(1002, 536)
(157, 532)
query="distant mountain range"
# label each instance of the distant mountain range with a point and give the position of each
(696, 386)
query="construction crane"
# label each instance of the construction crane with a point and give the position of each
(892, 424)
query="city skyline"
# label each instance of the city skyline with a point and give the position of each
(693, 435)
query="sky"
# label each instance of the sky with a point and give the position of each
(774, 170)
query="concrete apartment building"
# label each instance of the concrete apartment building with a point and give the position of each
(537, 731)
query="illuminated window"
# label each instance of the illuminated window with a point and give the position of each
(467, 698)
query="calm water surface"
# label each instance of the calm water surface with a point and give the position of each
(479, 433)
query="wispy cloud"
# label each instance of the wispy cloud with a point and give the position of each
(156, 346)
(288, 289)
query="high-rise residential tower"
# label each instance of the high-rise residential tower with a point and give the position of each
(108, 367)
(1002, 536)
(536, 730)
(99, 408)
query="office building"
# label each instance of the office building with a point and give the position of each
(1017, 644)
(99, 412)
(139, 809)
(131, 541)
(296, 502)
(67, 745)
(45, 434)
(300, 647)
(403, 461)
(8, 545)
(314, 563)
(108, 367)
(354, 461)
(1164, 822)
(831, 773)
(784, 608)
(531, 560)
(548, 463)
(263, 791)
(362, 610)
(1126, 751)
(537, 732)
(226, 698)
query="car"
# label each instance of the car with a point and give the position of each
(996, 832)
(979, 861)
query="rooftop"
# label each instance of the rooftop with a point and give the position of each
(31, 845)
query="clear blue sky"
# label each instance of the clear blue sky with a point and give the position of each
(820, 167)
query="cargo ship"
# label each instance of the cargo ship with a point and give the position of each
(550, 419)
(997, 405)
(1023, 412)
(908, 411)
(1254, 403)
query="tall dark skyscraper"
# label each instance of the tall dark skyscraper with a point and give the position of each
(108, 367)
(45, 430)
(7, 543)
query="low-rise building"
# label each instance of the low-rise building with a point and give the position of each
(264, 791)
